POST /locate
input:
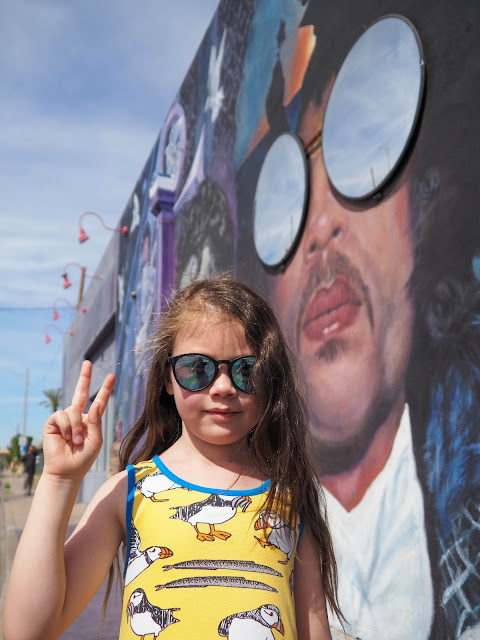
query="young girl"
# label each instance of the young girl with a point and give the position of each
(220, 514)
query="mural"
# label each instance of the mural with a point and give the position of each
(189, 172)
(379, 298)
(136, 295)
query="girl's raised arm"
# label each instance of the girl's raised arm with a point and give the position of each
(310, 606)
(48, 587)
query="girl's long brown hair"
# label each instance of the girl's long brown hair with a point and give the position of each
(279, 443)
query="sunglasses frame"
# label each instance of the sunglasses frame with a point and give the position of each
(172, 361)
(281, 264)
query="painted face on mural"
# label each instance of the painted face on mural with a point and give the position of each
(344, 303)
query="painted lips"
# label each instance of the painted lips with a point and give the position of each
(330, 310)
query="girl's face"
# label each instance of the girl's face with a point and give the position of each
(221, 414)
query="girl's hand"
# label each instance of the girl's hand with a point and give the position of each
(72, 439)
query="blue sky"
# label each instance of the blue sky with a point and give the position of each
(84, 89)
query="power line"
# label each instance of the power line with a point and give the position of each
(32, 308)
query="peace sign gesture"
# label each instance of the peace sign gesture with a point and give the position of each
(72, 439)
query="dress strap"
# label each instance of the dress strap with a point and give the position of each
(129, 509)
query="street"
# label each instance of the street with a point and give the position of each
(14, 508)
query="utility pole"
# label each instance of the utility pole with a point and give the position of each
(25, 403)
(82, 284)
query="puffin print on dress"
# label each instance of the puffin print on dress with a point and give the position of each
(155, 483)
(252, 625)
(146, 618)
(218, 570)
(216, 509)
(139, 560)
(282, 535)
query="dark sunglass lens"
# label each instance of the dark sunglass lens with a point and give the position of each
(241, 371)
(194, 372)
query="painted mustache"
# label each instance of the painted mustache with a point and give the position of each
(334, 286)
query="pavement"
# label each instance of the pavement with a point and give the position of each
(14, 508)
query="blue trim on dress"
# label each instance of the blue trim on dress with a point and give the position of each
(229, 492)
(129, 511)
(302, 527)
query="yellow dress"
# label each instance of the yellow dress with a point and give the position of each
(204, 563)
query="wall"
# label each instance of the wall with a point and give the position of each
(94, 339)
(380, 300)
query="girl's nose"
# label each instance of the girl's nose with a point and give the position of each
(222, 385)
(327, 218)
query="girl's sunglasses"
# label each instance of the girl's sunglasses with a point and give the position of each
(194, 371)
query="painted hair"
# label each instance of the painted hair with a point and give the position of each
(279, 443)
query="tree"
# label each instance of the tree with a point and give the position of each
(15, 448)
(52, 399)
(15, 451)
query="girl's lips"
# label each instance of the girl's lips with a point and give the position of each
(220, 412)
(330, 311)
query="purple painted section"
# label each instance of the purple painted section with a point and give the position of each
(162, 193)
(165, 260)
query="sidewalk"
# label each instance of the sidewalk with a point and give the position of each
(14, 508)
